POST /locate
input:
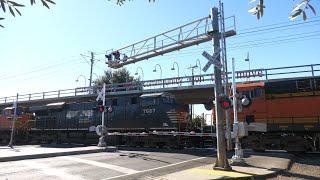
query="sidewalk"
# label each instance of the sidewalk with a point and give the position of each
(43, 151)
(256, 165)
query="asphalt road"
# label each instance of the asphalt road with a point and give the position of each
(118, 165)
(303, 166)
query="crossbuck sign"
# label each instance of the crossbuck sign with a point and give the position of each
(100, 95)
(211, 60)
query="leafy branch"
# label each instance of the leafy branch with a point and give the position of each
(13, 6)
(299, 9)
(121, 2)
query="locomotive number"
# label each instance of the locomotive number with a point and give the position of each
(149, 111)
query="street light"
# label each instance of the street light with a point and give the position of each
(155, 70)
(141, 72)
(198, 62)
(175, 63)
(248, 60)
(192, 71)
(85, 79)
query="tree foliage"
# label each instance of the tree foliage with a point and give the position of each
(119, 76)
(121, 2)
(197, 121)
(298, 10)
(257, 9)
(12, 7)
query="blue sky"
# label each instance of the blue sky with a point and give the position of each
(40, 51)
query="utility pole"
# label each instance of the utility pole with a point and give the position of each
(92, 61)
(15, 106)
(221, 160)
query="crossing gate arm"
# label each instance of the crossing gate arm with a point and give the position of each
(163, 133)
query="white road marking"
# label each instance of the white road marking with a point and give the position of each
(103, 165)
(45, 169)
(155, 168)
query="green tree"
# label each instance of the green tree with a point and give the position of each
(12, 6)
(119, 76)
(197, 121)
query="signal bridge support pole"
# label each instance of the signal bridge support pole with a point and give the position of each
(221, 160)
(238, 152)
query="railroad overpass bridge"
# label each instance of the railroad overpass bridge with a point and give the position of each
(195, 89)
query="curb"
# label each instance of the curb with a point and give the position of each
(276, 172)
(55, 154)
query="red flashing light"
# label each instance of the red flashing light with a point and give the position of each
(225, 103)
(101, 108)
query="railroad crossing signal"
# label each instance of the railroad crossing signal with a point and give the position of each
(100, 94)
(245, 101)
(101, 107)
(225, 102)
(211, 60)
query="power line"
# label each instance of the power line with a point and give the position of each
(285, 40)
(34, 71)
(277, 27)
(280, 23)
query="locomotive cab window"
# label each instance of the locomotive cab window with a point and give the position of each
(148, 101)
(167, 100)
(255, 93)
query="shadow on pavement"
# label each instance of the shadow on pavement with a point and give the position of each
(189, 151)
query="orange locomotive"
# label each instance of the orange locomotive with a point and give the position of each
(22, 125)
(284, 114)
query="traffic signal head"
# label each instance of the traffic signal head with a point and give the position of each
(225, 102)
(116, 55)
(109, 57)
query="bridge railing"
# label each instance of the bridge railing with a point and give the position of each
(185, 81)
(114, 88)
(293, 71)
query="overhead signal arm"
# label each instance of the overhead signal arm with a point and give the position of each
(190, 34)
